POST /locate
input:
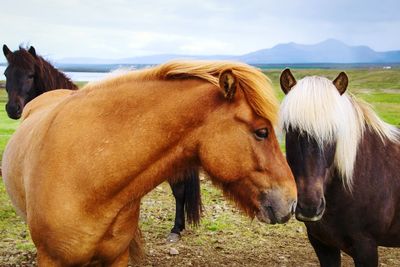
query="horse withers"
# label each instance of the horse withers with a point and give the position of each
(28, 75)
(77, 167)
(345, 160)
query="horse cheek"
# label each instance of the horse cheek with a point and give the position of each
(227, 168)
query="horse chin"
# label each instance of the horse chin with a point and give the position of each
(303, 218)
(274, 207)
(14, 116)
(267, 215)
(14, 111)
(263, 217)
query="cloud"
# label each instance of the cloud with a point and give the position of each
(123, 28)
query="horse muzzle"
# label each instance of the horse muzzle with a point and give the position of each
(310, 213)
(275, 207)
(14, 111)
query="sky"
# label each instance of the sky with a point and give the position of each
(128, 28)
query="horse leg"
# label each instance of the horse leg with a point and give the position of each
(192, 200)
(365, 253)
(328, 256)
(178, 190)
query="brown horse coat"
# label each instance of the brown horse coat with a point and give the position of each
(80, 162)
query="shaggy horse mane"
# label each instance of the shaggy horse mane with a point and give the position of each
(255, 85)
(49, 78)
(314, 106)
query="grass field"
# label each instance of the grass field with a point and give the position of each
(225, 237)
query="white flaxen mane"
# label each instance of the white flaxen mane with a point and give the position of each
(315, 106)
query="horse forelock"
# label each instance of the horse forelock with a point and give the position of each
(314, 106)
(21, 58)
(255, 85)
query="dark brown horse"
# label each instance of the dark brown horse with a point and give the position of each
(186, 191)
(346, 164)
(30, 75)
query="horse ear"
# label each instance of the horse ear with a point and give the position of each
(287, 81)
(32, 51)
(227, 82)
(341, 82)
(6, 51)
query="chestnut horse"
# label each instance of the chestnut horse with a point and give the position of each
(30, 75)
(345, 160)
(79, 163)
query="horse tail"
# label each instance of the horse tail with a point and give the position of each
(136, 248)
(193, 205)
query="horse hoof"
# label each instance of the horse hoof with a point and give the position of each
(173, 238)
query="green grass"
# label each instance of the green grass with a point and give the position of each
(376, 79)
(12, 228)
(7, 125)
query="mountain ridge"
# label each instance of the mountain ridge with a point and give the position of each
(327, 51)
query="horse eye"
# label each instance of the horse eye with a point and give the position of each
(261, 134)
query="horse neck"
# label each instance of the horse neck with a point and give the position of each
(49, 78)
(167, 124)
(374, 154)
(375, 162)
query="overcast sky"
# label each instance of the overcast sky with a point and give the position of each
(126, 28)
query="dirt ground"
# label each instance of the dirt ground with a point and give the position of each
(224, 238)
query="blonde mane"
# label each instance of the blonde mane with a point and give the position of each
(315, 106)
(255, 85)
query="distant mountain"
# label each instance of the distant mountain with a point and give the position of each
(328, 51)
